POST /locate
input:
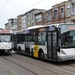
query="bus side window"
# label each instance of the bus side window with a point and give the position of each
(0, 39)
(23, 38)
(32, 39)
(42, 38)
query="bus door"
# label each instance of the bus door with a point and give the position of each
(27, 44)
(14, 41)
(36, 45)
(52, 45)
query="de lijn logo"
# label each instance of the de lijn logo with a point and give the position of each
(62, 28)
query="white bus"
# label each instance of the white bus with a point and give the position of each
(6, 41)
(54, 42)
(21, 42)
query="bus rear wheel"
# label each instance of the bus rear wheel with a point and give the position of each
(41, 55)
(19, 51)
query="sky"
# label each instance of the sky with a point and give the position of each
(13, 8)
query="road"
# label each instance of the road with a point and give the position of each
(25, 65)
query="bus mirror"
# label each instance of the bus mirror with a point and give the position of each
(46, 37)
(59, 42)
(59, 33)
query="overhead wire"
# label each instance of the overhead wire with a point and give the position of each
(30, 6)
(33, 5)
(24, 9)
(4, 4)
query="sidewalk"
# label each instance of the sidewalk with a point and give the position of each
(4, 70)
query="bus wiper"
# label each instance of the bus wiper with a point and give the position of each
(68, 46)
(3, 40)
(64, 46)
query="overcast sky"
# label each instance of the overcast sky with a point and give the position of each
(13, 8)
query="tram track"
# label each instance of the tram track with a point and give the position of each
(37, 61)
(36, 65)
(46, 66)
(49, 72)
(19, 65)
(69, 68)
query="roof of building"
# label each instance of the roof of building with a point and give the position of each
(33, 10)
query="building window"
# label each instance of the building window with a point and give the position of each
(38, 18)
(23, 21)
(28, 17)
(62, 12)
(73, 8)
(55, 14)
(12, 20)
(32, 16)
(68, 10)
(49, 16)
(32, 24)
(44, 18)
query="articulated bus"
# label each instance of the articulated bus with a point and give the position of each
(6, 41)
(55, 42)
(21, 42)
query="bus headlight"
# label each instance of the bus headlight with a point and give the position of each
(63, 52)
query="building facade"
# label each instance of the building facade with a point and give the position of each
(47, 17)
(19, 22)
(7, 26)
(12, 24)
(70, 11)
(30, 17)
(63, 12)
(23, 21)
(54, 15)
(58, 12)
(44, 17)
(39, 18)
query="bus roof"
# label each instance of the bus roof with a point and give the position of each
(34, 27)
(5, 31)
(40, 26)
(19, 31)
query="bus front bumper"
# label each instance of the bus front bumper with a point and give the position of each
(65, 58)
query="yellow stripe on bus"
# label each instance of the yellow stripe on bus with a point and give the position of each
(36, 50)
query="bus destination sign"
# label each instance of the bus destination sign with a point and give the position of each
(4, 31)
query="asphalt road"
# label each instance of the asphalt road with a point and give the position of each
(24, 65)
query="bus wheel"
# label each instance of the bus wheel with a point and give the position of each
(19, 51)
(10, 51)
(31, 52)
(41, 55)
